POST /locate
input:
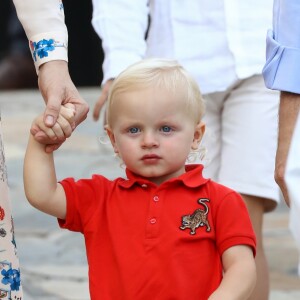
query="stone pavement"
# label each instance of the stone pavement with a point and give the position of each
(53, 262)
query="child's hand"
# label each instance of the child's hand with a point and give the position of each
(61, 130)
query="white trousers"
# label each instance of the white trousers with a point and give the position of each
(241, 138)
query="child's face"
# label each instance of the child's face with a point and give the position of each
(153, 133)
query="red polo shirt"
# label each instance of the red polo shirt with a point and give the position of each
(139, 244)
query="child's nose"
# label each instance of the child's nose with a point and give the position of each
(149, 140)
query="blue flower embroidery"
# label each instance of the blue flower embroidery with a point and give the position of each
(11, 277)
(42, 47)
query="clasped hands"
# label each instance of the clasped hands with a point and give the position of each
(65, 108)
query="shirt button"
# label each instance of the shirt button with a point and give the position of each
(156, 198)
(153, 221)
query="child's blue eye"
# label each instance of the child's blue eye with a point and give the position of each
(166, 129)
(133, 130)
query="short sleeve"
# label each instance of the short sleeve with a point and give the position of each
(85, 200)
(233, 224)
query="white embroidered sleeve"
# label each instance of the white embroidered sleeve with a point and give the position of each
(44, 24)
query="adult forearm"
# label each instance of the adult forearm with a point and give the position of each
(38, 16)
(44, 24)
(288, 113)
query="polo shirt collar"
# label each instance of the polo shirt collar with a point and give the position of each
(191, 178)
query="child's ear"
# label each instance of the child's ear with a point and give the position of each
(198, 135)
(111, 137)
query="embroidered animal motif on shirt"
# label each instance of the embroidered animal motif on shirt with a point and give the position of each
(197, 219)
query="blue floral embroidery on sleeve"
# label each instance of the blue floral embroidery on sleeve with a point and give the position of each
(42, 47)
(11, 277)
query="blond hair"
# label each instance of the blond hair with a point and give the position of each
(159, 73)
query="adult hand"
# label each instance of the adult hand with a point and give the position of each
(102, 99)
(57, 88)
(288, 113)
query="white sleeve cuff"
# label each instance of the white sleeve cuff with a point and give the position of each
(47, 47)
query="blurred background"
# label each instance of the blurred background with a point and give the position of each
(53, 261)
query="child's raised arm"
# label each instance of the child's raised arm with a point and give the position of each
(40, 182)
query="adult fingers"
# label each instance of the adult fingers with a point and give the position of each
(42, 133)
(279, 178)
(52, 109)
(52, 147)
(101, 100)
(52, 80)
(81, 107)
(98, 106)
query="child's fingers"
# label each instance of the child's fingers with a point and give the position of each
(65, 126)
(70, 106)
(68, 112)
(38, 125)
(62, 128)
(58, 131)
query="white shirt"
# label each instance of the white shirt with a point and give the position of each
(44, 24)
(216, 41)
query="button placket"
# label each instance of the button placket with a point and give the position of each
(152, 229)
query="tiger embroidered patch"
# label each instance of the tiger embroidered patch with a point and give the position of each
(197, 219)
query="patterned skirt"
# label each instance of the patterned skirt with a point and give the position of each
(10, 280)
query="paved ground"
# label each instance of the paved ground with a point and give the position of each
(53, 262)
